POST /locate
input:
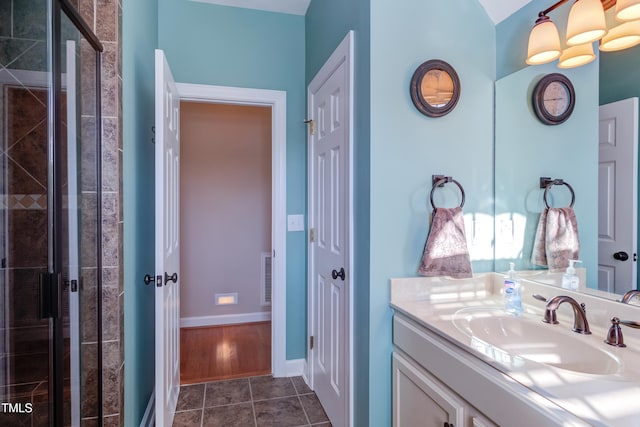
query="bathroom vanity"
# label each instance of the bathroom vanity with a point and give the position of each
(460, 360)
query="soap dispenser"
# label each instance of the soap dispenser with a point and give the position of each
(512, 297)
(569, 279)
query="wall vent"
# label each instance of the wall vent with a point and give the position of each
(265, 275)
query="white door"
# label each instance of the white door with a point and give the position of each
(73, 164)
(167, 257)
(617, 196)
(330, 225)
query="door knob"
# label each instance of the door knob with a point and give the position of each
(173, 278)
(335, 274)
(621, 256)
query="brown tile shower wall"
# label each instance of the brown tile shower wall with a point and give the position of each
(105, 18)
(23, 47)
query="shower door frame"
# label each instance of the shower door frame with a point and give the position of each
(55, 201)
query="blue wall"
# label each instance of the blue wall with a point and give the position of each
(327, 23)
(138, 174)
(408, 147)
(227, 46)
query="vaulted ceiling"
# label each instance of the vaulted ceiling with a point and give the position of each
(496, 9)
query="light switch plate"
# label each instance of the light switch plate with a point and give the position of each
(295, 222)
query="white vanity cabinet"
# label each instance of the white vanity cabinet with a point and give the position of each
(437, 384)
(420, 399)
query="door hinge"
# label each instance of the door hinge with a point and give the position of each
(311, 342)
(312, 126)
(312, 235)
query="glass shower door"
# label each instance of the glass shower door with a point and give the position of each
(50, 281)
(25, 88)
(79, 244)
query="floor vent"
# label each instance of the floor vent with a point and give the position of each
(265, 286)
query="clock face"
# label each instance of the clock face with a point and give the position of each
(556, 98)
(553, 99)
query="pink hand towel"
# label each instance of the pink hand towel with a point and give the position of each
(539, 253)
(557, 235)
(445, 252)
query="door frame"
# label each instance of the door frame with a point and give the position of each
(277, 101)
(344, 53)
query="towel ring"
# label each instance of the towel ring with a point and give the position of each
(558, 182)
(440, 180)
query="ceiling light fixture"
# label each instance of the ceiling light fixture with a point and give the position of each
(627, 10)
(586, 24)
(544, 42)
(576, 56)
(621, 36)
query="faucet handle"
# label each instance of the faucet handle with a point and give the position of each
(540, 297)
(614, 336)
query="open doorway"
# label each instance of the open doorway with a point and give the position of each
(257, 250)
(225, 228)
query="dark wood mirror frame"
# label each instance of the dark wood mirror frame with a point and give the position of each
(416, 93)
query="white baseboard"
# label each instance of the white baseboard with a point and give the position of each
(296, 367)
(149, 417)
(225, 319)
(305, 374)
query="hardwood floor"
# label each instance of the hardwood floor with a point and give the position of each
(212, 353)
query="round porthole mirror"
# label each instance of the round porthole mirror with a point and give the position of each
(435, 88)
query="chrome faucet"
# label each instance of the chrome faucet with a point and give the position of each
(629, 295)
(580, 323)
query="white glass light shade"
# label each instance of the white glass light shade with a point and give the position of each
(621, 36)
(627, 10)
(575, 56)
(544, 42)
(586, 22)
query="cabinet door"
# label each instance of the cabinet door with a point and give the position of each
(420, 400)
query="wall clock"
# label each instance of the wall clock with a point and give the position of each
(553, 99)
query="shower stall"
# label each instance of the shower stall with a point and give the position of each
(50, 216)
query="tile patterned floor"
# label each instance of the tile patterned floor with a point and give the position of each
(250, 402)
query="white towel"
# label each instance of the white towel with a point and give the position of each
(556, 240)
(445, 252)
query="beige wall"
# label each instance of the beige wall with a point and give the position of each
(225, 202)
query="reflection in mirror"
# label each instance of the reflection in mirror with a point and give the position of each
(435, 88)
(573, 155)
(526, 149)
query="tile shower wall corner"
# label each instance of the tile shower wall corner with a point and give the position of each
(105, 19)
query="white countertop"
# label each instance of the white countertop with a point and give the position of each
(609, 399)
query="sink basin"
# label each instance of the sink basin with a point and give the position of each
(506, 339)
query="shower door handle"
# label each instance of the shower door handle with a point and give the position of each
(50, 295)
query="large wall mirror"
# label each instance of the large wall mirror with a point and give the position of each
(526, 150)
